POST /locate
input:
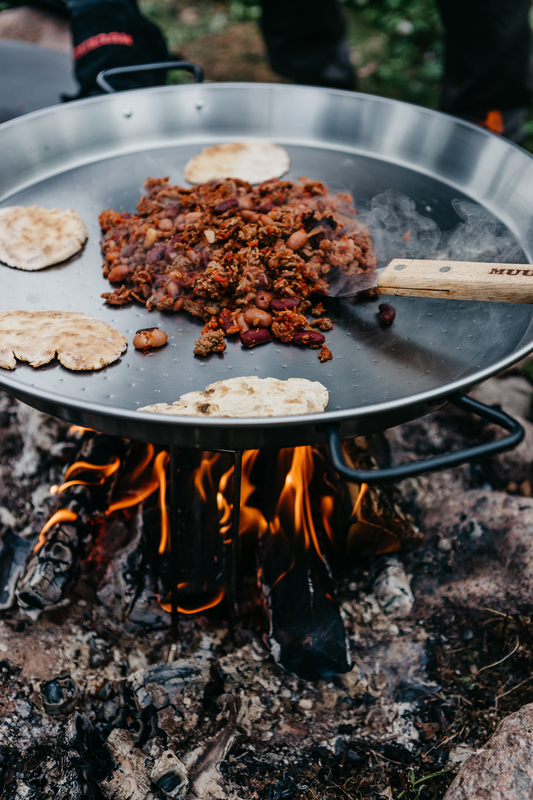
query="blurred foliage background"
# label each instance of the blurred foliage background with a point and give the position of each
(396, 44)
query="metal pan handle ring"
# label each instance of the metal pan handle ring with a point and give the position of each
(393, 474)
(186, 65)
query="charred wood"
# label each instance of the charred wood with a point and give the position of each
(13, 554)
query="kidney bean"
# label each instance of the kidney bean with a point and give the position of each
(192, 255)
(265, 219)
(257, 317)
(225, 321)
(165, 224)
(126, 215)
(118, 273)
(191, 218)
(312, 338)
(264, 209)
(285, 303)
(186, 281)
(255, 336)
(180, 221)
(249, 216)
(296, 240)
(155, 254)
(263, 299)
(241, 322)
(128, 250)
(387, 313)
(178, 305)
(149, 337)
(225, 205)
(172, 212)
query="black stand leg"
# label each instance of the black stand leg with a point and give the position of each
(174, 529)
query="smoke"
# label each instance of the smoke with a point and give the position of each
(399, 231)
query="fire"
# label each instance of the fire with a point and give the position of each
(63, 515)
(294, 502)
(132, 492)
(102, 471)
(204, 606)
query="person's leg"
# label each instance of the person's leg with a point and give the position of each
(113, 33)
(306, 42)
(487, 75)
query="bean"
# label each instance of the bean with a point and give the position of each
(173, 289)
(263, 300)
(241, 322)
(257, 317)
(118, 273)
(172, 212)
(387, 313)
(255, 336)
(192, 255)
(264, 209)
(128, 250)
(149, 337)
(312, 338)
(249, 216)
(296, 240)
(225, 205)
(155, 254)
(285, 303)
(178, 305)
(245, 201)
(165, 224)
(150, 238)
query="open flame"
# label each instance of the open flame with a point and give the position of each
(286, 505)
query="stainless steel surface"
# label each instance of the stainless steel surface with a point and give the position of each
(96, 153)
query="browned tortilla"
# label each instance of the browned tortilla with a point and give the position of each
(78, 340)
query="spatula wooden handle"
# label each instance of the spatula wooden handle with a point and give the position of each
(460, 280)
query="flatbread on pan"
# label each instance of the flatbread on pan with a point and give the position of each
(79, 340)
(253, 162)
(249, 397)
(32, 238)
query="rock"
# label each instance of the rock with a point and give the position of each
(392, 590)
(513, 394)
(503, 769)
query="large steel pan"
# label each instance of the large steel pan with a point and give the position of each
(96, 153)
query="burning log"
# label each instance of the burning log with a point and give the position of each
(66, 536)
(130, 587)
(13, 554)
(170, 775)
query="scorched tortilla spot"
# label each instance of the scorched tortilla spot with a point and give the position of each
(33, 238)
(81, 342)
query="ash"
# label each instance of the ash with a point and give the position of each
(440, 636)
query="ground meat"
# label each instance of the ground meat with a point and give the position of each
(210, 342)
(214, 246)
(324, 323)
(325, 354)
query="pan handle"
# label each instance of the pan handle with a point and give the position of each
(393, 474)
(101, 78)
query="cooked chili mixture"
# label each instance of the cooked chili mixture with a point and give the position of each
(252, 262)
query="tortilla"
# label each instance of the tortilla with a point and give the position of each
(253, 162)
(32, 238)
(249, 397)
(80, 341)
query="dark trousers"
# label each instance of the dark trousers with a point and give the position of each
(487, 63)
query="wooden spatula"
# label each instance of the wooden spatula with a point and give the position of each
(460, 280)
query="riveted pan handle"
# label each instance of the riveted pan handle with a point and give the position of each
(393, 474)
(101, 78)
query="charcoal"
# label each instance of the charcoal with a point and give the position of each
(50, 570)
(170, 775)
(130, 778)
(130, 587)
(13, 554)
(59, 695)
